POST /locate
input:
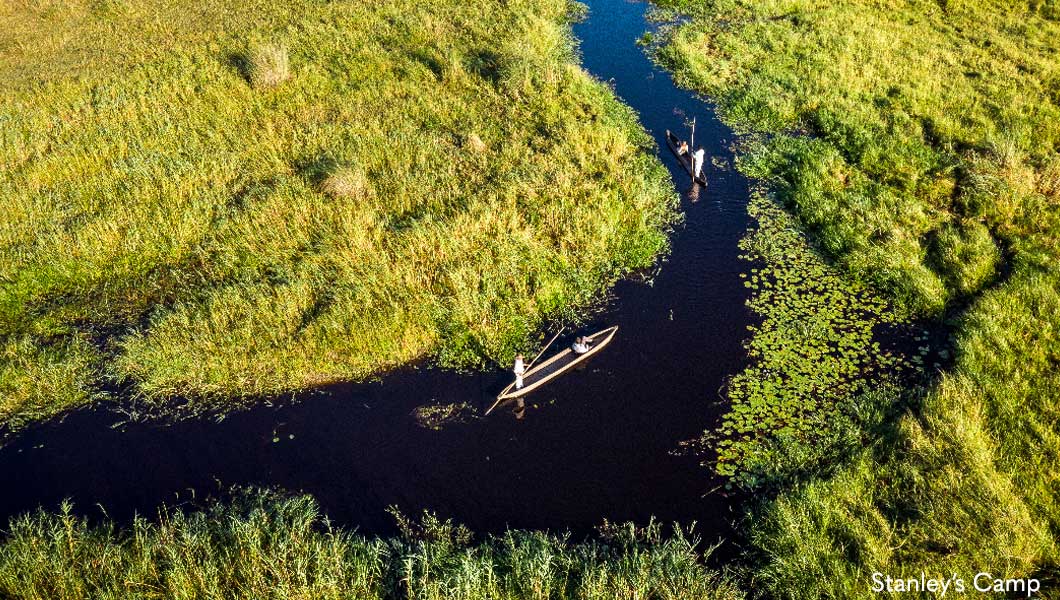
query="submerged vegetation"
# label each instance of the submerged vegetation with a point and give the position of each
(240, 198)
(437, 416)
(265, 546)
(919, 142)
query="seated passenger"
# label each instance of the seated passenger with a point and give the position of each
(580, 346)
(682, 150)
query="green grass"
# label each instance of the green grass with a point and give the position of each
(928, 124)
(817, 377)
(268, 65)
(216, 200)
(918, 143)
(262, 545)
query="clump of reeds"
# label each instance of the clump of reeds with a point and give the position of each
(263, 545)
(1049, 179)
(347, 183)
(474, 143)
(268, 65)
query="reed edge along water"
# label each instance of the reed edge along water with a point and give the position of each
(599, 444)
(917, 143)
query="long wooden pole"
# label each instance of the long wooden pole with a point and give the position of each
(527, 367)
(545, 348)
(692, 150)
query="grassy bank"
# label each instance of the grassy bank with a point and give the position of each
(266, 546)
(217, 199)
(827, 356)
(918, 143)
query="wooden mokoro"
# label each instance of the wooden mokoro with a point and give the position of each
(685, 159)
(555, 366)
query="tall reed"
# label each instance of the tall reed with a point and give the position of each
(263, 545)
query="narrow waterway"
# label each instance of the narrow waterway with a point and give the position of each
(599, 443)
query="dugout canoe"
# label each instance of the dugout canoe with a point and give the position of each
(685, 159)
(556, 365)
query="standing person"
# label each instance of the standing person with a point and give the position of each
(697, 160)
(519, 370)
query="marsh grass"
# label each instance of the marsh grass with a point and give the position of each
(39, 378)
(268, 65)
(818, 372)
(261, 545)
(348, 183)
(474, 143)
(217, 235)
(917, 142)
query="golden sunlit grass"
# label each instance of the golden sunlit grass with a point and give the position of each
(919, 142)
(263, 545)
(348, 183)
(423, 182)
(268, 65)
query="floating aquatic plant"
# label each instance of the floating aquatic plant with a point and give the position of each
(436, 416)
(812, 354)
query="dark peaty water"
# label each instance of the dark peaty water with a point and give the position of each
(595, 444)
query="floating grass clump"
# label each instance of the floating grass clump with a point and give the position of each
(428, 185)
(437, 416)
(262, 545)
(918, 144)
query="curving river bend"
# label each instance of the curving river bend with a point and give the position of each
(597, 444)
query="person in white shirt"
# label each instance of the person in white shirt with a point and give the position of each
(697, 160)
(580, 346)
(519, 370)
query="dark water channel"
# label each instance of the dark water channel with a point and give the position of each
(596, 444)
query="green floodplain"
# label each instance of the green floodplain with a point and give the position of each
(907, 156)
(299, 193)
(919, 145)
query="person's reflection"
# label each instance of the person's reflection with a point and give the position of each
(520, 408)
(693, 193)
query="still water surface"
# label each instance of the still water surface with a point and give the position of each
(599, 443)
